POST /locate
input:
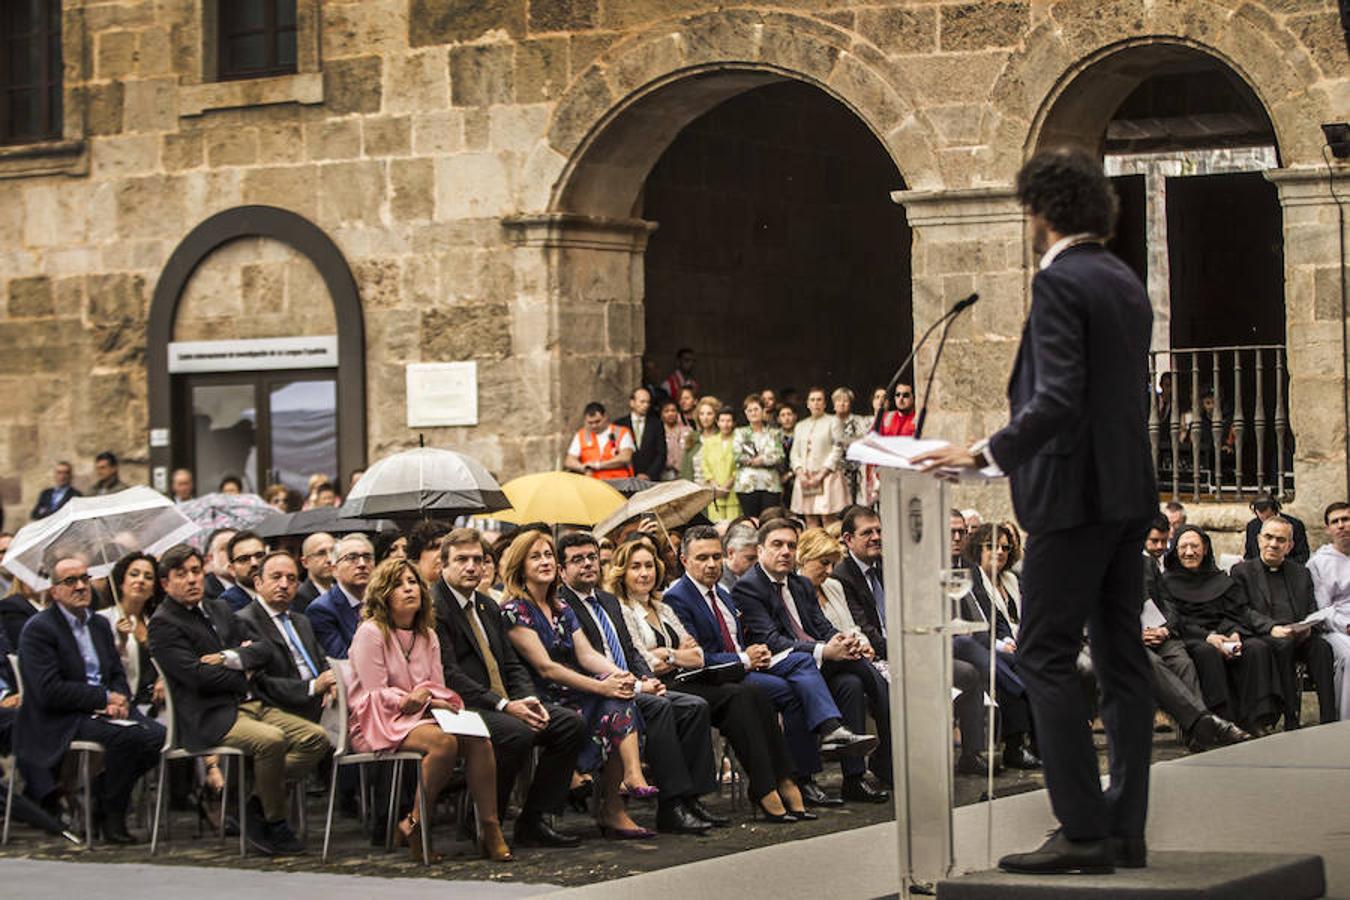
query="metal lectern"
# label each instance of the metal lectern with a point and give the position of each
(919, 614)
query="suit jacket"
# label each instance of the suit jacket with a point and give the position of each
(15, 611)
(11, 684)
(1251, 574)
(1154, 590)
(307, 593)
(335, 621)
(214, 586)
(975, 606)
(236, 597)
(650, 456)
(862, 603)
(465, 668)
(279, 683)
(766, 619)
(206, 697)
(1300, 552)
(1076, 448)
(687, 600)
(636, 663)
(46, 504)
(56, 695)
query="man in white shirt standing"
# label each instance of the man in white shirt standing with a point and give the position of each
(1330, 567)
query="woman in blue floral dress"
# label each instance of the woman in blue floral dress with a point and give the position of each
(568, 671)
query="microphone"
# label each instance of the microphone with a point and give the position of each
(937, 357)
(956, 310)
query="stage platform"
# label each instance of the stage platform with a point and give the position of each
(1284, 794)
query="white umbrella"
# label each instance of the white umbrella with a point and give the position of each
(425, 482)
(671, 502)
(100, 529)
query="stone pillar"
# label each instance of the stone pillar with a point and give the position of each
(579, 317)
(1316, 337)
(969, 240)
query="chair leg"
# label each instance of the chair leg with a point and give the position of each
(159, 806)
(422, 815)
(243, 811)
(88, 801)
(225, 794)
(396, 776)
(332, 798)
(364, 799)
(9, 799)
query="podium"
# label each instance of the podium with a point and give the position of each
(916, 545)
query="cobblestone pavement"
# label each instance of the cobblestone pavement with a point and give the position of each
(596, 860)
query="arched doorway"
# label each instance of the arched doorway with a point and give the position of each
(1188, 141)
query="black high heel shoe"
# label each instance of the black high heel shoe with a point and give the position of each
(579, 797)
(801, 815)
(774, 818)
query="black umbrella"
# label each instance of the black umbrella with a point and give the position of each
(326, 519)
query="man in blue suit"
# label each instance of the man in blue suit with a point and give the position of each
(245, 551)
(791, 680)
(780, 610)
(76, 689)
(1077, 452)
(337, 612)
(58, 495)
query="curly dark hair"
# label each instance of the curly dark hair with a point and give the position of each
(119, 574)
(1068, 189)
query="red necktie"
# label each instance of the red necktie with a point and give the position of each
(727, 643)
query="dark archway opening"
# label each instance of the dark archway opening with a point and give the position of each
(780, 257)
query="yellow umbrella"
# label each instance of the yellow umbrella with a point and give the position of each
(559, 498)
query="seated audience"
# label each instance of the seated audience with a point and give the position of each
(568, 671)
(742, 713)
(136, 586)
(210, 665)
(217, 562)
(397, 681)
(1330, 568)
(424, 548)
(1265, 508)
(482, 667)
(1280, 595)
(75, 689)
(858, 574)
(740, 549)
(390, 544)
(677, 742)
(337, 613)
(780, 610)
(316, 555)
(15, 610)
(1236, 669)
(244, 551)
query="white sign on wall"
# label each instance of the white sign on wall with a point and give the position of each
(253, 355)
(442, 394)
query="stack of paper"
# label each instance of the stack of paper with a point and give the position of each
(898, 453)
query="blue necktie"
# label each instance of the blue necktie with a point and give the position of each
(298, 645)
(878, 593)
(611, 637)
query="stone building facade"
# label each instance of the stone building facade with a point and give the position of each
(479, 167)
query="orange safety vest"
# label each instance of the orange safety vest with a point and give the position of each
(596, 451)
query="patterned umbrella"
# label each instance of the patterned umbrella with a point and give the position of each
(424, 483)
(671, 502)
(101, 529)
(238, 511)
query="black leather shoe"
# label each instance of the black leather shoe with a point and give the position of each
(812, 794)
(857, 790)
(1020, 758)
(115, 832)
(535, 831)
(283, 839)
(975, 763)
(1211, 731)
(1061, 856)
(695, 806)
(673, 818)
(1129, 853)
(259, 836)
(842, 742)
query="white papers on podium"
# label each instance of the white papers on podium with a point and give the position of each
(465, 722)
(1152, 617)
(898, 452)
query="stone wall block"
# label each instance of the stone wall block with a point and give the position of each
(899, 30)
(117, 156)
(232, 147)
(468, 331)
(412, 189)
(472, 185)
(654, 59)
(477, 123)
(587, 47)
(351, 29)
(1326, 293)
(1087, 24)
(379, 281)
(151, 105)
(116, 55)
(207, 192)
(797, 50)
(417, 82)
(353, 192)
(281, 142)
(103, 104)
(978, 26)
(421, 282)
(154, 50)
(186, 150)
(333, 139)
(389, 136)
(563, 15)
(449, 21)
(30, 298)
(482, 74)
(1322, 34)
(727, 35)
(352, 85)
(116, 296)
(588, 100)
(54, 214)
(516, 129)
(541, 69)
(438, 133)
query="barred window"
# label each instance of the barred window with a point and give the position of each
(257, 38)
(30, 70)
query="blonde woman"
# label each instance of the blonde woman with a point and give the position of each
(818, 490)
(397, 680)
(705, 425)
(741, 712)
(818, 552)
(568, 671)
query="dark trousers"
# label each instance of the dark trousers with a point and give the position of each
(1244, 689)
(747, 720)
(1014, 715)
(857, 688)
(512, 741)
(678, 747)
(1317, 655)
(755, 502)
(1089, 575)
(1177, 696)
(969, 705)
(132, 751)
(800, 693)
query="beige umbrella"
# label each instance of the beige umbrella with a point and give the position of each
(671, 502)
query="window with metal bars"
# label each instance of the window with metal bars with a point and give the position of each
(30, 71)
(257, 38)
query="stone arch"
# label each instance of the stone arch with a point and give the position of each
(305, 238)
(1042, 80)
(624, 110)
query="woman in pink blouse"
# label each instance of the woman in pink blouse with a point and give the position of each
(397, 680)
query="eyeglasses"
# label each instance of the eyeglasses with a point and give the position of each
(71, 581)
(249, 557)
(357, 558)
(904, 394)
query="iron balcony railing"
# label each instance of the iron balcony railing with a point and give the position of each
(1219, 422)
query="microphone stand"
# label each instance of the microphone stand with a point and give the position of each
(947, 321)
(895, 379)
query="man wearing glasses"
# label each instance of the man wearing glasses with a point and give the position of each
(336, 614)
(245, 551)
(76, 690)
(899, 422)
(316, 556)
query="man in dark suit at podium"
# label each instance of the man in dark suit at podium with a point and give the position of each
(1077, 452)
